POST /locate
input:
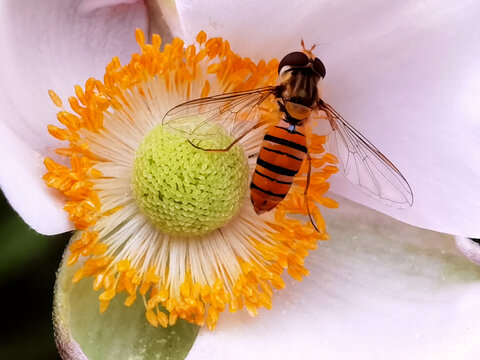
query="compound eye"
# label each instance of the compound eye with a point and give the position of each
(293, 59)
(319, 67)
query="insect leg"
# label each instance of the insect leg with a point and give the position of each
(305, 192)
(259, 124)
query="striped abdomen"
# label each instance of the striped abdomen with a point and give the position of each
(278, 162)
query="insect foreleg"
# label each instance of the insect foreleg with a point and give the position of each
(259, 124)
(305, 192)
(220, 150)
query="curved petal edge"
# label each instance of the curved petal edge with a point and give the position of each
(469, 247)
(21, 182)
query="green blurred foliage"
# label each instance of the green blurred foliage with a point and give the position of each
(28, 263)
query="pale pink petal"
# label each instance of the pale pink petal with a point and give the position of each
(405, 74)
(22, 171)
(49, 45)
(87, 6)
(378, 289)
(164, 19)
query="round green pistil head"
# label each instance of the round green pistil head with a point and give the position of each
(186, 191)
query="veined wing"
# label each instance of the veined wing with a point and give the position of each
(231, 114)
(364, 165)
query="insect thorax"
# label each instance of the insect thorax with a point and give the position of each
(300, 86)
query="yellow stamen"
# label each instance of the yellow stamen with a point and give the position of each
(55, 98)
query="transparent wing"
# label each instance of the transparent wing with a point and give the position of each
(231, 113)
(364, 165)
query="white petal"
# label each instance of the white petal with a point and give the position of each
(405, 74)
(379, 289)
(469, 248)
(49, 45)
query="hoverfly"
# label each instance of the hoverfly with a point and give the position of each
(284, 146)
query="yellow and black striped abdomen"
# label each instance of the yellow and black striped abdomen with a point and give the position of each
(278, 162)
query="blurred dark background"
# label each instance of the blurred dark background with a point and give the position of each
(28, 263)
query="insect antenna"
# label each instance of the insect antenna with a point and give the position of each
(308, 52)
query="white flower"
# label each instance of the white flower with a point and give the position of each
(405, 75)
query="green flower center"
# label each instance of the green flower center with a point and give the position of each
(187, 191)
